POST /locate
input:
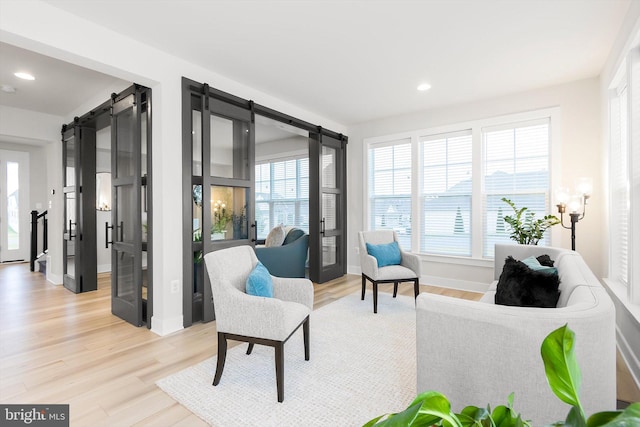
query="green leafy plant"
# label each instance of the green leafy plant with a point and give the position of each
(563, 374)
(525, 229)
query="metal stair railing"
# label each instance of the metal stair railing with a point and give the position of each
(35, 218)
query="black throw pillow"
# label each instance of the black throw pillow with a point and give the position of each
(518, 285)
(545, 260)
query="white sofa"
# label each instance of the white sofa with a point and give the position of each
(477, 353)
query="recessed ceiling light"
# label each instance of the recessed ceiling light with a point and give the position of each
(8, 88)
(24, 76)
(424, 86)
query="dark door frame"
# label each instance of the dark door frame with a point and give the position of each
(229, 102)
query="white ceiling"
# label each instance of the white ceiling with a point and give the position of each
(355, 61)
(59, 87)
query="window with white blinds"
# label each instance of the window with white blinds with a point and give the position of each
(458, 180)
(282, 194)
(515, 166)
(390, 188)
(446, 193)
(620, 197)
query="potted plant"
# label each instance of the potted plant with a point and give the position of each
(525, 229)
(563, 374)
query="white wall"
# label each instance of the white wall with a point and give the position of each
(580, 147)
(36, 25)
(294, 146)
(39, 134)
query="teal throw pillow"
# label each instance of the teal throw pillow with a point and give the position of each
(386, 253)
(533, 263)
(259, 282)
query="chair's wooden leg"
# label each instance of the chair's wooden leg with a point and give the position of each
(250, 348)
(395, 289)
(416, 287)
(222, 355)
(279, 347)
(364, 285)
(375, 296)
(305, 333)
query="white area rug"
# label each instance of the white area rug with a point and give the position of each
(362, 365)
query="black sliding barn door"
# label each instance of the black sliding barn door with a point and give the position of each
(327, 229)
(79, 238)
(130, 292)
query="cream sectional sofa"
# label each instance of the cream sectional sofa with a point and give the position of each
(477, 353)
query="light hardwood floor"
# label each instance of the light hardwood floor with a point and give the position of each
(58, 347)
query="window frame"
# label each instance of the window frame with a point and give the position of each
(553, 114)
(628, 75)
(271, 201)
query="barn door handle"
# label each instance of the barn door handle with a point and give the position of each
(255, 231)
(71, 224)
(106, 235)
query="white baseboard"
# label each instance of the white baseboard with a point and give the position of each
(104, 268)
(354, 269)
(164, 327)
(54, 279)
(463, 285)
(627, 327)
(629, 356)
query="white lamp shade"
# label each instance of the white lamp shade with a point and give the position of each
(575, 203)
(562, 195)
(584, 186)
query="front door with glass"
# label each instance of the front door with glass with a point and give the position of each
(14, 205)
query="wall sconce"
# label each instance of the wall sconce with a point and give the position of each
(574, 202)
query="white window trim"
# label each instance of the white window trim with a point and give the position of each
(629, 73)
(476, 126)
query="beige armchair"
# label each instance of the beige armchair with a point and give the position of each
(407, 271)
(252, 319)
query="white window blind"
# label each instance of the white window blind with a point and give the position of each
(390, 189)
(446, 193)
(516, 166)
(282, 194)
(619, 170)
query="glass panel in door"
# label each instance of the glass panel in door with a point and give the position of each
(70, 210)
(229, 149)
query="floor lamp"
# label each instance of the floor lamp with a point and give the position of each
(574, 202)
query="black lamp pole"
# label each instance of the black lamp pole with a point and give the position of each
(575, 217)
